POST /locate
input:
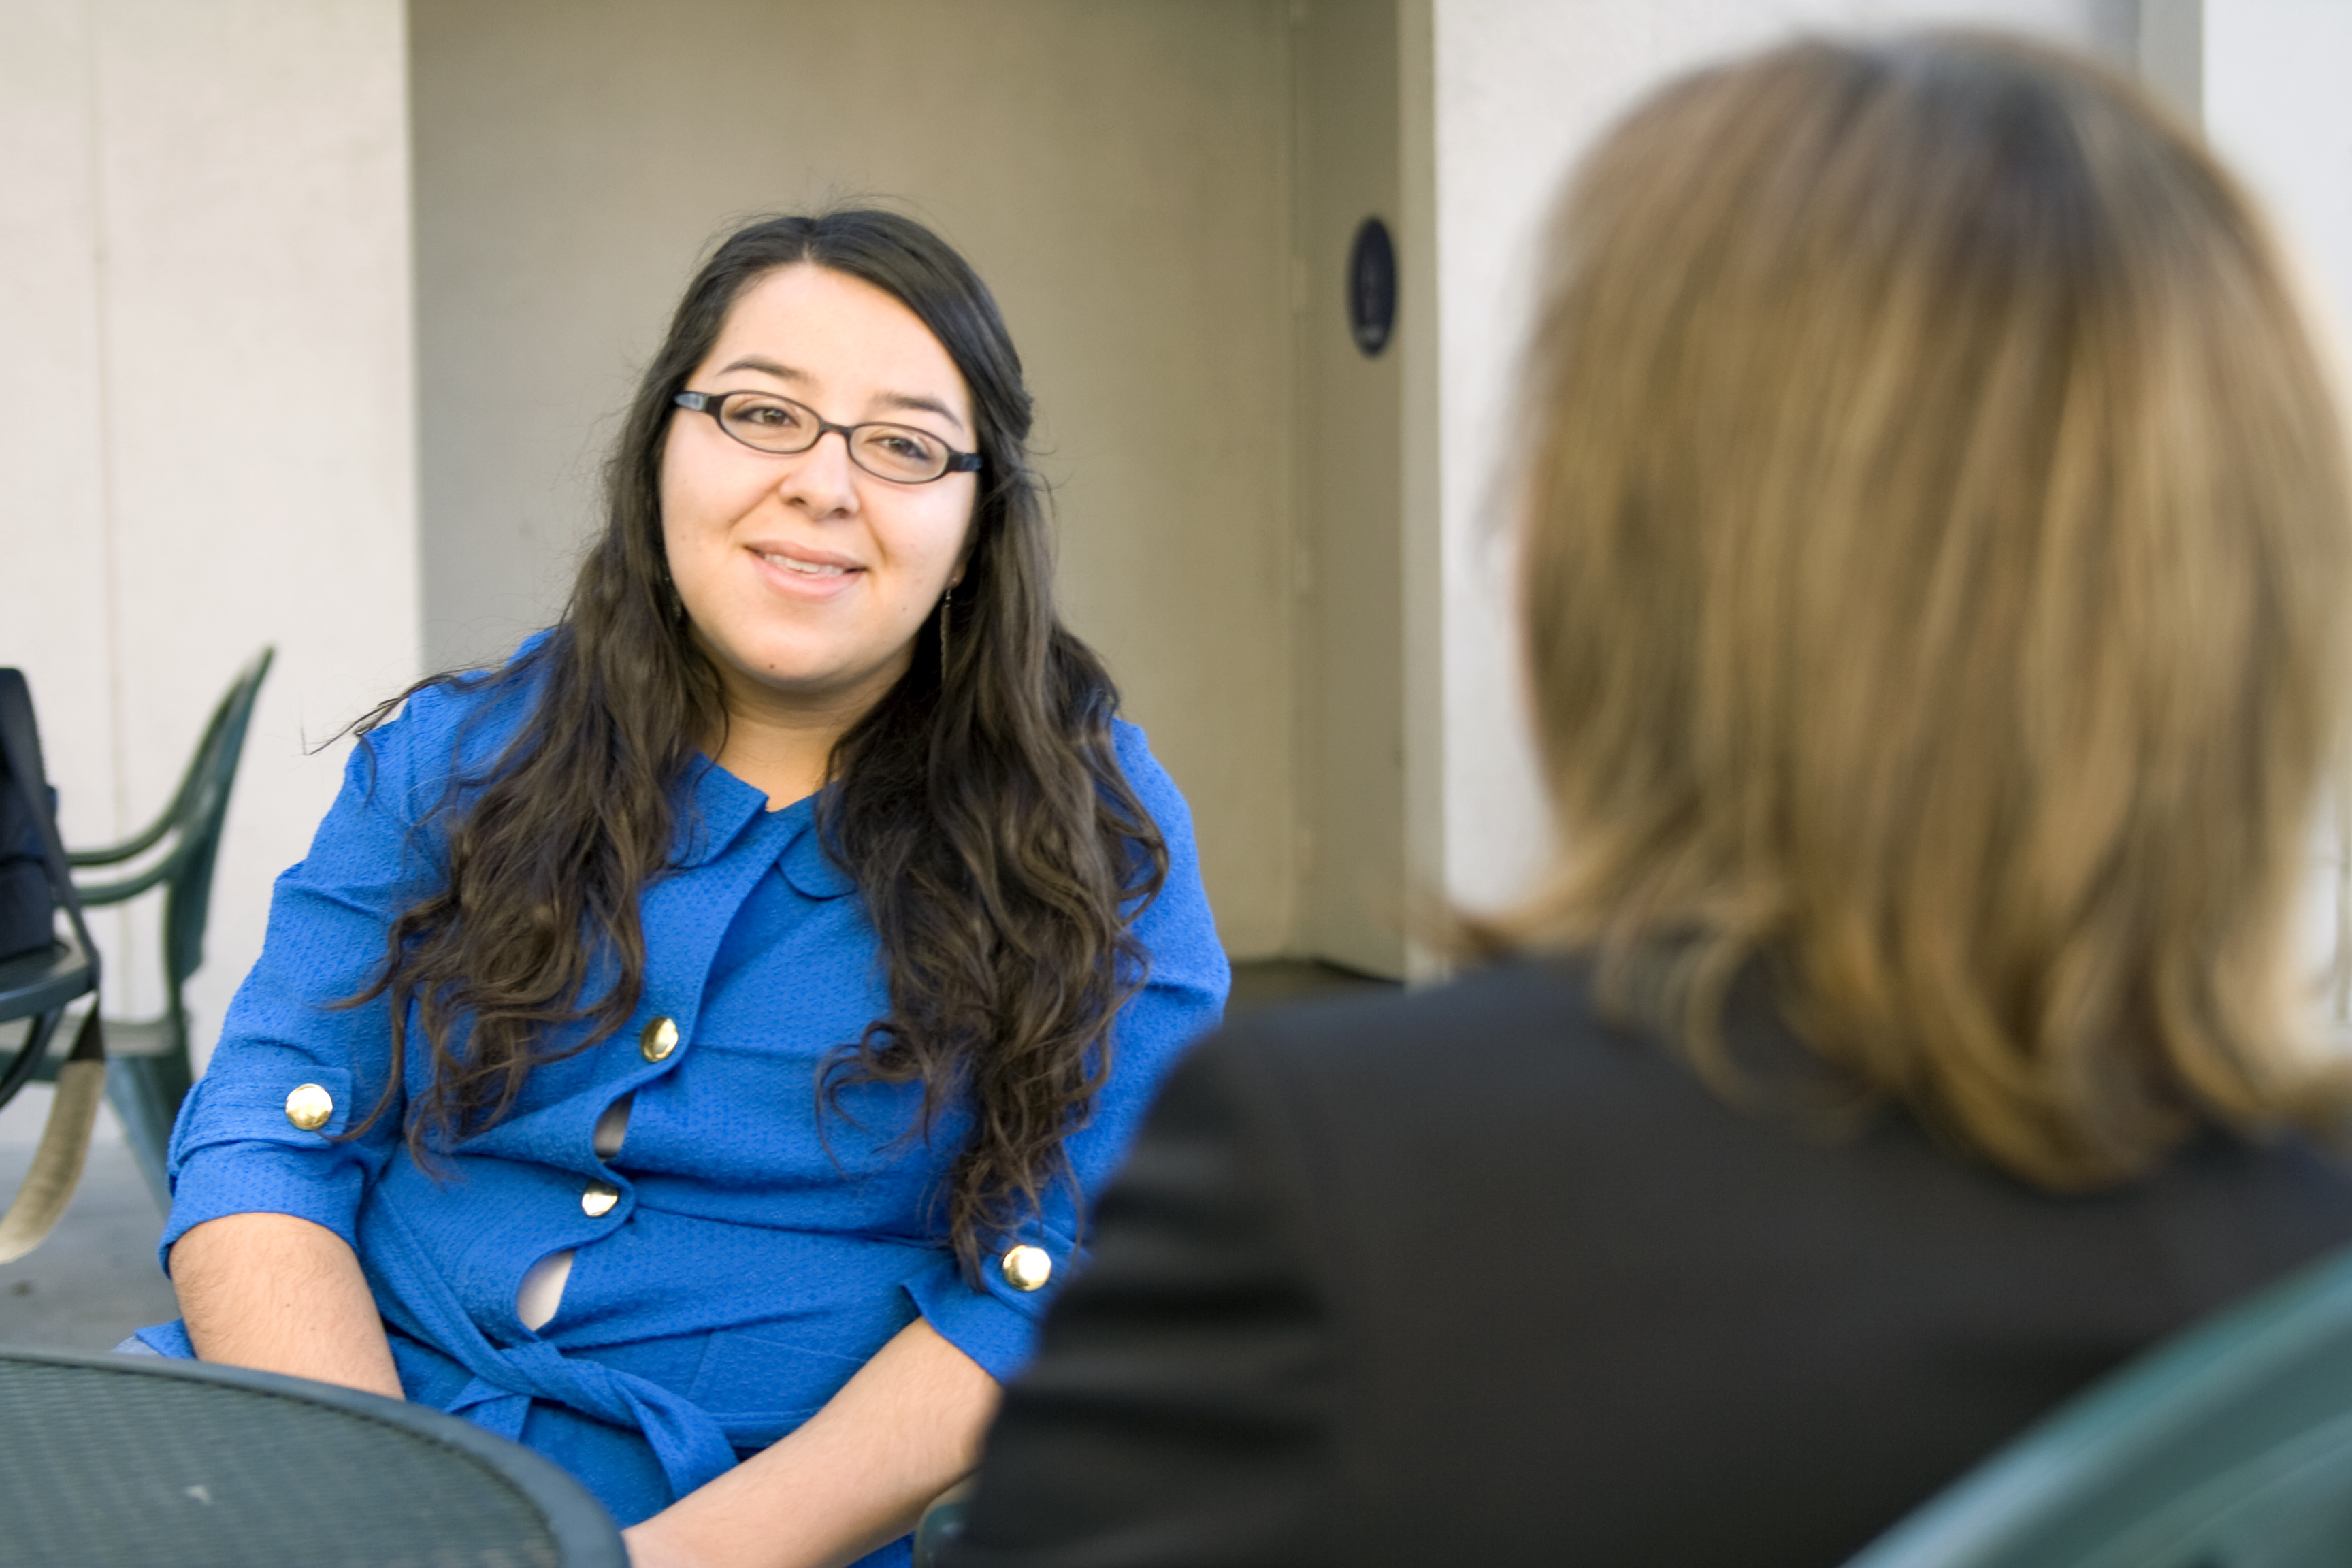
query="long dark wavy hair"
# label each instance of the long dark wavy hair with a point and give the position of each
(979, 807)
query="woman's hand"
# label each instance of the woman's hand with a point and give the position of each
(280, 1294)
(858, 1474)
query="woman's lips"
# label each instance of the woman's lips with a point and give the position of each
(807, 572)
(805, 568)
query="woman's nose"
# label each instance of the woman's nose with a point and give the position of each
(823, 479)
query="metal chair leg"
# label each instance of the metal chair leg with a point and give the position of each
(146, 1092)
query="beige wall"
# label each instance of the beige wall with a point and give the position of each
(1349, 577)
(1118, 173)
(206, 434)
(1285, 550)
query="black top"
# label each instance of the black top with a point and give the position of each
(1468, 1277)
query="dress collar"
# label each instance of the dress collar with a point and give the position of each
(805, 862)
(714, 807)
(717, 808)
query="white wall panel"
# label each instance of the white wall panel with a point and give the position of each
(2276, 89)
(2269, 79)
(55, 619)
(205, 363)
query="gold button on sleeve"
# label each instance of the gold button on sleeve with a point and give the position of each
(597, 1198)
(659, 1039)
(309, 1107)
(1027, 1268)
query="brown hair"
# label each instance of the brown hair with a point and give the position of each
(979, 806)
(1935, 533)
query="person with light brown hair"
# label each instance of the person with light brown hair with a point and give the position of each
(1934, 534)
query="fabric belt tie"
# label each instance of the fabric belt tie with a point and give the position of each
(686, 1438)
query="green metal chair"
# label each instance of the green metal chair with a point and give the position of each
(2230, 1446)
(151, 1072)
(942, 1521)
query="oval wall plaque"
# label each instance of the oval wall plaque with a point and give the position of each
(1371, 286)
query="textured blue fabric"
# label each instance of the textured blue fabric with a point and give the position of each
(760, 1252)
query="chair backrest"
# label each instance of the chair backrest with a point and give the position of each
(202, 809)
(193, 823)
(2231, 1446)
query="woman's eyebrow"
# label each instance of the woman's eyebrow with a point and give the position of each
(911, 402)
(768, 367)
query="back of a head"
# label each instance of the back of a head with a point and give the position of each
(1936, 522)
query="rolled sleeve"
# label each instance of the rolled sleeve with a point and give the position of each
(235, 1149)
(994, 1323)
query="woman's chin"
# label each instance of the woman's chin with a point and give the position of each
(815, 680)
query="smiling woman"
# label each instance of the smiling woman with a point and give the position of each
(706, 1026)
(803, 578)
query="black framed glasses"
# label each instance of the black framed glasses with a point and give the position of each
(766, 423)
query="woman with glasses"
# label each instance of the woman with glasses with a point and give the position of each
(688, 1046)
(1935, 548)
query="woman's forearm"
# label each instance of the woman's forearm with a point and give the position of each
(902, 1431)
(282, 1294)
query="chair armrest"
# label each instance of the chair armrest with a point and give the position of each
(96, 893)
(942, 1521)
(113, 854)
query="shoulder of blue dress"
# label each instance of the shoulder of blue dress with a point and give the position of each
(459, 723)
(1147, 776)
(1156, 790)
(1176, 923)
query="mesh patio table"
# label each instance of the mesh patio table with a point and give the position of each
(140, 1462)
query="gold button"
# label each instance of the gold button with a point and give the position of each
(1027, 1268)
(596, 1200)
(659, 1039)
(309, 1107)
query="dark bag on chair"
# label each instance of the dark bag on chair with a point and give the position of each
(34, 880)
(26, 904)
(27, 811)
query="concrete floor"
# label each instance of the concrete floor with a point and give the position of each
(95, 1280)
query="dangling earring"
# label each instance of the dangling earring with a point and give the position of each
(945, 599)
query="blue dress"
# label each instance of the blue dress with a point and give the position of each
(741, 1254)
